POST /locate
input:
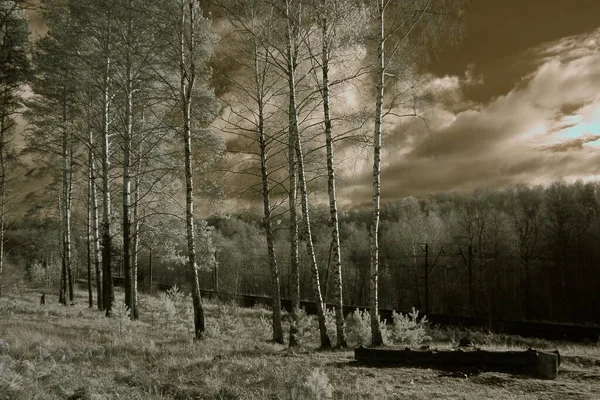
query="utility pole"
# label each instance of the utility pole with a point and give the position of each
(150, 267)
(425, 249)
(216, 274)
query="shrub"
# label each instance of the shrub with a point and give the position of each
(308, 328)
(167, 309)
(175, 295)
(330, 323)
(120, 313)
(408, 330)
(358, 328)
(315, 387)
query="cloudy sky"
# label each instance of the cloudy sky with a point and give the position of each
(517, 101)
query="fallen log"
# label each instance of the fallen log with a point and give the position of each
(538, 364)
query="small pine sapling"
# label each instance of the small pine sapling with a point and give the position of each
(120, 312)
(408, 330)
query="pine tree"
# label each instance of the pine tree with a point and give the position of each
(14, 71)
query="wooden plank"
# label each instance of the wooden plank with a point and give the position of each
(543, 365)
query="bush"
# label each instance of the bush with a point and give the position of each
(331, 328)
(358, 328)
(315, 387)
(408, 330)
(120, 313)
(308, 327)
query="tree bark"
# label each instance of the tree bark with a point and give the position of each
(377, 339)
(62, 295)
(294, 255)
(135, 249)
(291, 59)
(108, 294)
(89, 240)
(126, 190)
(333, 210)
(295, 135)
(3, 129)
(187, 81)
(268, 224)
(95, 224)
(66, 203)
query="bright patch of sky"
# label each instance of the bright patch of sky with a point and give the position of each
(584, 124)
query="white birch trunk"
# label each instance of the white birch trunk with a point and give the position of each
(66, 199)
(89, 241)
(377, 340)
(95, 223)
(135, 248)
(333, 210)
(108, 295)
(268, 225)
(294, 255)
(126, 190)
(187, 71)
(295, 135)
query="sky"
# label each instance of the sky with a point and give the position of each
(516, 101)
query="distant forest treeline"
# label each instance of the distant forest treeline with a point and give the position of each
(527, 252)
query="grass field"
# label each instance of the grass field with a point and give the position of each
(58, 352)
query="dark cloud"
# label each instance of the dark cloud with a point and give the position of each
(499, 32)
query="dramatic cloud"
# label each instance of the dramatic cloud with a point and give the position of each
(545, 127)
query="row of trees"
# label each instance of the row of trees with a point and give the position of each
(524, 253)
(120, 94)
(305, 54)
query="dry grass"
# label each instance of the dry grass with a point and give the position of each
(59, 352)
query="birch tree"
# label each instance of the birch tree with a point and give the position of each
(337, 23)
(191, 49)
(293, 24)
(403, 29)
(138, 56)
(252, 109)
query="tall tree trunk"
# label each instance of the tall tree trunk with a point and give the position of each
(377, 339)
(268, 225)
(295, 135)
(128, 281)
(89, 241)
(333, 210)
(62, 296)
(128, 137)
(3, 130)
(108, 294)
(275, 287)
(136, 230)
(135, 248)
(95, 224)
(294, 255)
(66, 203)
(68, 222)
(187, 81)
